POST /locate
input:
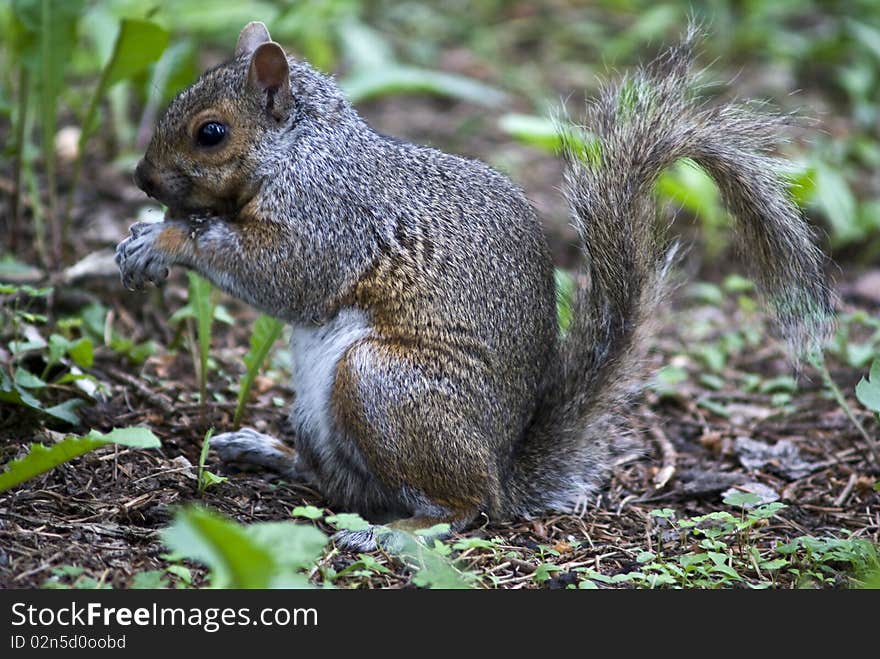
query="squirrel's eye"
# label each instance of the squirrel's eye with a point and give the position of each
(211, 133)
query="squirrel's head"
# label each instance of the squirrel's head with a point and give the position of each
(208, 149)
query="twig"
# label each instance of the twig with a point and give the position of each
(847, 490)
(668, 455)
(45, 565)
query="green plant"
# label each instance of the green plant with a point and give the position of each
(206, 478)
(819, 561)
(264, 334)
(375, 73)
(73, 577)
(201, 308)
(61, 356)
(868, 389)
(723, 550)
(94, 322)
(262, 555)
(44, 37)
(44, 42)
(818, 362)
(139, 43)
(41, 458)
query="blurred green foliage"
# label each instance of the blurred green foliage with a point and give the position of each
(819, 59)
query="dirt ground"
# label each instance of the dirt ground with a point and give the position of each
(102, 512)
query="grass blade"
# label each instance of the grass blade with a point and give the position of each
(266, 331)
(364, 85)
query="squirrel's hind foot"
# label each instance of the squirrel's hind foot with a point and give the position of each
(398, 536)
(247, 446)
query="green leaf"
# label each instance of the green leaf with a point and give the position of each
(209, 478)
(667, 379)
(435, 530)
(42, 458)
(544, 571)
(775, 564)
(706, 293)
(552, 135)
(181, 572)
(742, 499)
(149, 580)
(235, 560)
(66, 410)
(367, 84)
(26, 379)
(859, 355)
(264, 335)
(737, 284)
(203, 480)
(475, 543)
(713, 355)
(138, 44)
(868, 390)
(257, 556)
(348, 522)
(835, 199)
(541, 132)
(713, 406)
(433, 569)
(364, 47)
(293, 546)
(58, 346)
(133, 437)
(693, 189)
(710, 381)
(767, 510)
(781, 384)
(12, 392)
(46, 31)
(82, 352)
(309, 512)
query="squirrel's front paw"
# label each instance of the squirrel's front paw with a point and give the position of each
(138, 259)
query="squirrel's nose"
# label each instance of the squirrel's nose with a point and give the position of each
(144, 178)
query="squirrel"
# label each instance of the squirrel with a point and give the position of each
(432, 383)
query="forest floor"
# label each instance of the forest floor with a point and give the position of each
(726, 412)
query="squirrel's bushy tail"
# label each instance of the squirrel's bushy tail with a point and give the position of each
(641, 126)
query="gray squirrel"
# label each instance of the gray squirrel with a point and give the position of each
(432, 384)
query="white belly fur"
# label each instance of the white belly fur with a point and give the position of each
(316, 352)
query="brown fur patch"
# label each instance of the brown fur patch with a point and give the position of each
(172, 239)
(405, 445)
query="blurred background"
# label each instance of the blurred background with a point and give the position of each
(82, 83)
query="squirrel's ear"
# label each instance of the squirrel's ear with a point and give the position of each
(269, 73)
(253, 34)
(269, 69)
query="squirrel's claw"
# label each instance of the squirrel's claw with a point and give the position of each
(137, 258)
